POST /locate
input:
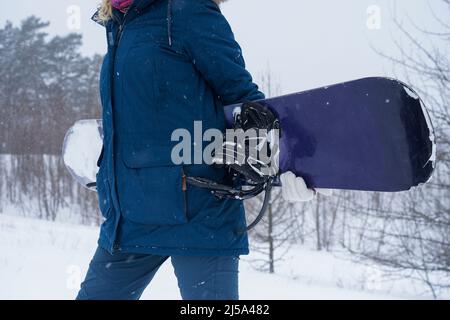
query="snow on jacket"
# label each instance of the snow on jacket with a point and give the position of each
(169, 63)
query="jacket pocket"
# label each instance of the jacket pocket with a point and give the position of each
(152, 190)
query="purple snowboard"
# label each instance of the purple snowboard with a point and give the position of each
(372, 134)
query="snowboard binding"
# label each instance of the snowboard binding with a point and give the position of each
(250, 176)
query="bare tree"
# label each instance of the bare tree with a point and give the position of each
(409, 233)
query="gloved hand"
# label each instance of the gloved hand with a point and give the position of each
(294, 189)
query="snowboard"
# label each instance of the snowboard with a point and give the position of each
(372, 134)
(81, 149)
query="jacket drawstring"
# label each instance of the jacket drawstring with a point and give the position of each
(169, 21)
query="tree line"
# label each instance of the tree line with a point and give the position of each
(46, 85)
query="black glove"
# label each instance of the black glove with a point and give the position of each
(242, 156)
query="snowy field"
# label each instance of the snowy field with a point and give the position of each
(45, 260)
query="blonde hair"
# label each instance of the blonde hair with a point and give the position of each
(106, 9)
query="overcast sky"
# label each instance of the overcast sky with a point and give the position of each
(306, 43)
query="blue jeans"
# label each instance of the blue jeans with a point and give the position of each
(124, 276)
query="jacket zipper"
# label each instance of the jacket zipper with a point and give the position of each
(120, 32)
(121, 27)
(116, 246)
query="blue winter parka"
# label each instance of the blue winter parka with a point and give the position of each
(169, 63)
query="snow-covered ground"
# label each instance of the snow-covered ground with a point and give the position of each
(45, 260)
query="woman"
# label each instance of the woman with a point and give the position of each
(169, 63)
